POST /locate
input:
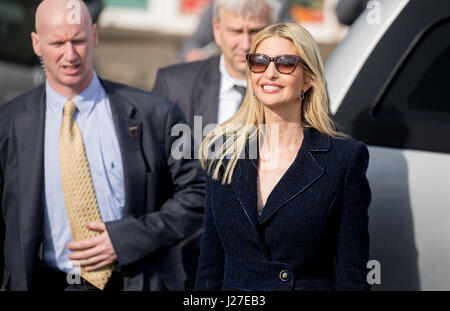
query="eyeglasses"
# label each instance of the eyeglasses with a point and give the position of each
(284, 64)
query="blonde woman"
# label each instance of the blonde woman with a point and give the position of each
(293, 214)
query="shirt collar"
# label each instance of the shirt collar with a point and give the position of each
(228, 82)
(85, 101)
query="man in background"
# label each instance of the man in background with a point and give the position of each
(95, 7)
(200, 45)
(347, 11)
(214, 88)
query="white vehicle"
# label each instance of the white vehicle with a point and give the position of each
(389, 86)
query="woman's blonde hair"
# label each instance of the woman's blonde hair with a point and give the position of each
(230, 138)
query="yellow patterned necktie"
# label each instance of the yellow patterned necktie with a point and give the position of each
(79, 193)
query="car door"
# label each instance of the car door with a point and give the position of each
(396, 98)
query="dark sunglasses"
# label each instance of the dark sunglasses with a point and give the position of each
(284, 64)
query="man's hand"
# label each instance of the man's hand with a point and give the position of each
(95, 253)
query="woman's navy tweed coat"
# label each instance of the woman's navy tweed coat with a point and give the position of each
(312, 234)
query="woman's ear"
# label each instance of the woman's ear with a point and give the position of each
(307, 80)
(307, 84)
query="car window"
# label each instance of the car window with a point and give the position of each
(421, 87)
(412, 110)
(16, 25)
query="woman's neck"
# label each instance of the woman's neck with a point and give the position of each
(283, 129)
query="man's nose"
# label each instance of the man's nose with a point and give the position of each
(246, 41)
(70, 54)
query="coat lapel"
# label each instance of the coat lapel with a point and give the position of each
(29, 130)
(244, 183)
(129, 133)
(303, 172)
(244, 186)
(206, 96)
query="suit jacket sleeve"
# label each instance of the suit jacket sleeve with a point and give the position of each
(211, 260)
(2, 228)
(353, 243)
(160, 86)
(180, 216)
(2, 221)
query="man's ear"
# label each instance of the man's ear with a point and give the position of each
(36, 44)
(216, 31)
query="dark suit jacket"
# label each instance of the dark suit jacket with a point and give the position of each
(193, 86)
(164, 196)
(312, 233)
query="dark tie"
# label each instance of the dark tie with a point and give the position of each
(241, 90)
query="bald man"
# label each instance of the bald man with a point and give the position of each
(90, 195)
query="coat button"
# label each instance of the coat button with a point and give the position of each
(284, 275)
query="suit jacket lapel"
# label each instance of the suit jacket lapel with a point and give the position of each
(29, 130)
(206, 96)
(303, 172)
(129, 134)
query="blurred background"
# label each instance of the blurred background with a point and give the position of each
(136, 37)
